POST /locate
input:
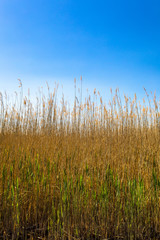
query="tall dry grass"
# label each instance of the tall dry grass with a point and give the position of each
(91, 172)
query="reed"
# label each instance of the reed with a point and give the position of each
(91, 172)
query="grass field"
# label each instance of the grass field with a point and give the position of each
(91, 172)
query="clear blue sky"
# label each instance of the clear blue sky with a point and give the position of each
(110, 43)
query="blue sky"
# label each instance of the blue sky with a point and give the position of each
(110, 43)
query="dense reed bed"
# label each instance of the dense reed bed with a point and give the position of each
(91, 172)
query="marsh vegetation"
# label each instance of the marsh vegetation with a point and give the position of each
(91, 172)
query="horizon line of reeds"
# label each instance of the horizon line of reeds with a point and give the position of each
(47, 114)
